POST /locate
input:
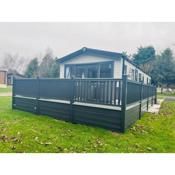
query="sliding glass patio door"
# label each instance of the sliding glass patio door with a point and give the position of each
(93, 70)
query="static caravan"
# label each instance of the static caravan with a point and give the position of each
(93, 63)
(93, 89)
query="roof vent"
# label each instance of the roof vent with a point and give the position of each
(84, 49)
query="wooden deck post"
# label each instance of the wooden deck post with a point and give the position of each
(155, 99)
(152, 97)
(38, 96)
(140, 106)
(13, 93)
(124, 101)
(147, 103)
(72, 87)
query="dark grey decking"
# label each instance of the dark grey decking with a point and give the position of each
(113, 104)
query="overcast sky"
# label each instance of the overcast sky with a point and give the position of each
(32, 39)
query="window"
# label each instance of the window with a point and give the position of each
(136, 75)
(148, 81)
(132, 74)
(80, 72)
(143, 79)
(106, 70)
(125, 69)
(95, 70)
(92, 71)
(140, 77)
(67, 72)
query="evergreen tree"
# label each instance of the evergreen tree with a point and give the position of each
(144, 58)
(32, 69)
(54, 70)
(46, 64)
(164, 68)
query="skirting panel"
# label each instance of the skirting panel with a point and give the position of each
(90, 115)
(105, 118)
(132, 115)
(99, 117)
(25, 104)
(56, 110)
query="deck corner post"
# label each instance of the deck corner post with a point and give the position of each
(124, 102)
(140, 106)
(38, 96)
(72, 91)
(147, 103)
(155, 99)
(13, 93)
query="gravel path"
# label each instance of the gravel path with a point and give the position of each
(169, 98)
(156, 107)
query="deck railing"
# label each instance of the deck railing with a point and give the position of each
(98, 91)
(95, 91)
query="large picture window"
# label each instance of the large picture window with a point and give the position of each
(79, 72)
(106, 70)
(96, 70)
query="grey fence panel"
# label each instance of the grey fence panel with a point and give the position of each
(133, 92)
(25, 104)
(55, 89)
(145, 92)
(132, 115)
(57, 110)
(134, 89)
(105, 118)
(26, 87)
(152, 91)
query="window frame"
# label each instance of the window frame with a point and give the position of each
(98, 64)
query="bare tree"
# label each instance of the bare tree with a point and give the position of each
(9, 61)
(14, 62)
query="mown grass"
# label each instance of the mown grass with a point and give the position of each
(6, 89)
(25, 132)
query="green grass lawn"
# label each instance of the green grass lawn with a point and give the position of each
(6, 90)
(26, 132)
